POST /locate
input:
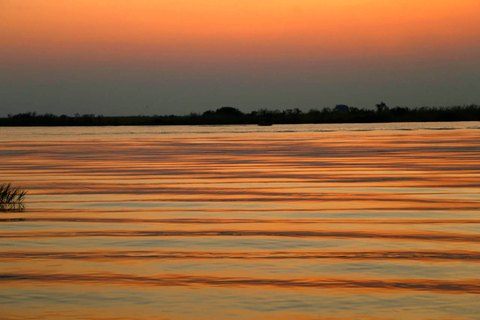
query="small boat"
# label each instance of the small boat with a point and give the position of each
(264, 123)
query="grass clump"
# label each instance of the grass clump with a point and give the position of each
(11, 198)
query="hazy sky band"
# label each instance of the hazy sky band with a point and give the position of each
(161, 57)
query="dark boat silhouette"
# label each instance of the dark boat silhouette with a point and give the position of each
(265, 123)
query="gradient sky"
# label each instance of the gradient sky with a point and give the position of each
(129, 57)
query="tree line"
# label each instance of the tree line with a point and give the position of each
(231, 115)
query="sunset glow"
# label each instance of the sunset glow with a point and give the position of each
(190, 43)
(277, 29)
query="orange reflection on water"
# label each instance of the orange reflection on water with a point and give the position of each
(105, 255)
(468, 286)
(298, 215)
(394, 236)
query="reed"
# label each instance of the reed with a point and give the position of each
(11, 198)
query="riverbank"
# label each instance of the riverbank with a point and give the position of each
(230, 115)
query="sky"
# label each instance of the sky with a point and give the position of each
(131, 57)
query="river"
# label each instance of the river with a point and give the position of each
(337, 221)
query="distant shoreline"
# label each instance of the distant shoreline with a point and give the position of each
(232, 116)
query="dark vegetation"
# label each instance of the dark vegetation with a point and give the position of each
(230, 115)
(11, 199)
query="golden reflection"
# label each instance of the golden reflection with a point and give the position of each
(255, 212)
(392, 236)
(169, 280)
(105, 255)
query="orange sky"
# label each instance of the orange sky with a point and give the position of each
(283, 34)
(279, 29)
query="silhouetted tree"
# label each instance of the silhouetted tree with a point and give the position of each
(381, 107)
(230, 115)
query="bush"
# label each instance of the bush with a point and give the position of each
(11, 199)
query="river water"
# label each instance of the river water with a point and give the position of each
(359, 221)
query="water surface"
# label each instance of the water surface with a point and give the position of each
(360, 221)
